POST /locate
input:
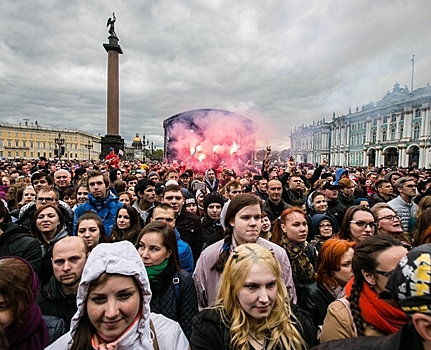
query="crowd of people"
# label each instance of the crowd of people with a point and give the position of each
(131, 255)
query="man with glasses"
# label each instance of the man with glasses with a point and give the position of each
(164, 212)
(403, 205)
(43, 197)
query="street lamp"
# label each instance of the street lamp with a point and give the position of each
(89, 146)
(145, 143)
(59, 141)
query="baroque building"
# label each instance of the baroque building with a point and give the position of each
(394, 132)
(31, 141)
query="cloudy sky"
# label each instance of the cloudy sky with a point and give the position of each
(279, 62)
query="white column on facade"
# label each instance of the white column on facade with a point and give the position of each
(378, 157)
(347, 138)
(408, 123)
(364, 158)
(368, 131)
(405, 162)
(422, 155)
(379, 128)
(400, 156)
(425, 125)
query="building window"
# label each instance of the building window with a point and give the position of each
(352, 139)
(353, 126)
(9, 143)
(16, 134)
(31, 155)
(385, 119)
(9, 153)
(16, 154)
(402, 116)
(363, 137)
(384, 135)
(16, 143)
(24, 143)
(374, 121)
(1, 143)
(418, 113)
(76, 155)
(394, 118)
(31, 136)
(24, 154)
(393, 134)
(8, 134)
(38, 154)
(401, 131)
(31, 144)
(416, 130)
(357, 139)
(373, 136)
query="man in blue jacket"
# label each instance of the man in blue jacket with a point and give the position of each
(100, 200)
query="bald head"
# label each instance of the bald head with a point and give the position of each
(69, 256)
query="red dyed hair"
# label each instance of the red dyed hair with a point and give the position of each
(329, 260)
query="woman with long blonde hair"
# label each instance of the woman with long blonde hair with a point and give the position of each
(252, 310)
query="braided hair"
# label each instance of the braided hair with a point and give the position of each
(236, 204)
(365, 259)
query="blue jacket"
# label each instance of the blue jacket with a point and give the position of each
(185, 254)
(105, 208)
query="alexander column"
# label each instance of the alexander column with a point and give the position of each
(112, 138)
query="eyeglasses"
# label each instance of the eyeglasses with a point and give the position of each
(364, 224)
(390, 218)
(47, 200)
(325, 225)
(383, 273)
(410, 186)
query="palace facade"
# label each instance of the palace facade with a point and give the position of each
(31, 141)
(394, 132)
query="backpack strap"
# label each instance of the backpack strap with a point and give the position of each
(155, 342)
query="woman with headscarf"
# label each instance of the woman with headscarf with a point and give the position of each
(113, 303)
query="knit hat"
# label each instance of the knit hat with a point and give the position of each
(151, 173)
(212, 198)
(189, 199)
(410, 282)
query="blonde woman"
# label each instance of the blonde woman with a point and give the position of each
(252, 309)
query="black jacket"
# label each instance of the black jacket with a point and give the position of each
(209, 332)
(405, 339)
(164, 301)
(315, 299)
(52, 301)
(212, 229)
(337, 210)
(16, 242)
(190, 228)
(274, 211)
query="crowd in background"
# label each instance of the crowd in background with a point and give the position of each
(126, 254)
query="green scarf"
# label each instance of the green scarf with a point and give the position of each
(154, 271)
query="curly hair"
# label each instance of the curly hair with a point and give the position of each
(365, 259)
(280, 327)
